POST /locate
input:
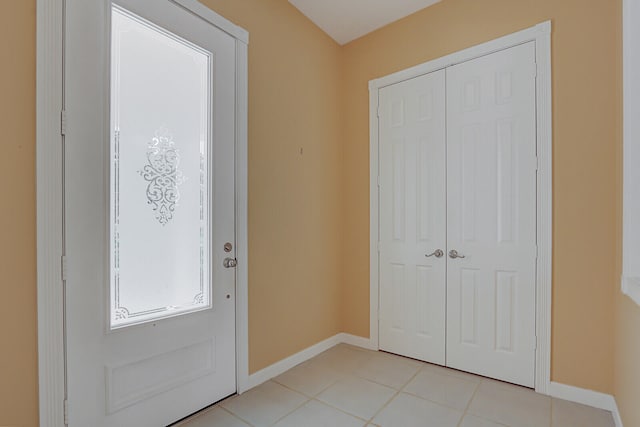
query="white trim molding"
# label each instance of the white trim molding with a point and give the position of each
(242, 216)
(541, 35)
(197, 8)
(374, 215)
(586, 397)
(631, 150)
(49, 149)
(357, 341)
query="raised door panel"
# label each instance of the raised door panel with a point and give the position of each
(413, 218)
(491, 205)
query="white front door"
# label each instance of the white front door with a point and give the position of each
(491, 215)
(413, 218)
(149, 213)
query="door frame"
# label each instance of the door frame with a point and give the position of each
(541, 35)
(50, 129)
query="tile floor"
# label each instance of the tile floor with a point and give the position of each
(348, 386)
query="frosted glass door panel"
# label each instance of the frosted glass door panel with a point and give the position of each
(160, 178)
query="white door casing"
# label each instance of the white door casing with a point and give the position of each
(491, 215)
(156, 372)
(413, 218)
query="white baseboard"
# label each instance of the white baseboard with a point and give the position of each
(617, 418)
(284, 365)
(586, 397)
(356, 341)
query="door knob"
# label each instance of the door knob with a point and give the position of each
(229, 262)
(437, 253)
(453, 254)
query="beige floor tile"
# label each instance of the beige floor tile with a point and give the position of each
(444, 389)
(342, 358)
(265, 404)
(511, 405)
(317, 414)
(473, 421)
(390, 370)
(409, 411)
(216, 417)
(309, 378)
(353, 385)
(565, 414)
(357, 396)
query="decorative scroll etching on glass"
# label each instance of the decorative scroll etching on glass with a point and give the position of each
(163, 175)
(160, 129)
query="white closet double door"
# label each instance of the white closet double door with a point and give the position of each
(457, 211)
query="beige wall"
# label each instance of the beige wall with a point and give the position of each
(18, 359)
(586, 104)
(294, 200)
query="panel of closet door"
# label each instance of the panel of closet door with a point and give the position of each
(412, 218)
(491, 215)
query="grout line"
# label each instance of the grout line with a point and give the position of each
(411, 379)
(336, 381)
(437, 373)
(235, 416)
(384, 406)
(386, 385)
(465, 413)
(322, 402)
(392, 397)
(342, 410)
(340, 376)
(308, 399)
(291, 412)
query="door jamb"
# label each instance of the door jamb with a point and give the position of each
(541, 35)
(50, 210)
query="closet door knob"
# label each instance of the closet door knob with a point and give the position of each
(453, 254)
(437, 253)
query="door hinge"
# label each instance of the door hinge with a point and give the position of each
(535, 70)
(379, 245)
(63, 122)
(378, 111)
(378, 180)
(66, 412)
(535, 342)
(63, 267)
